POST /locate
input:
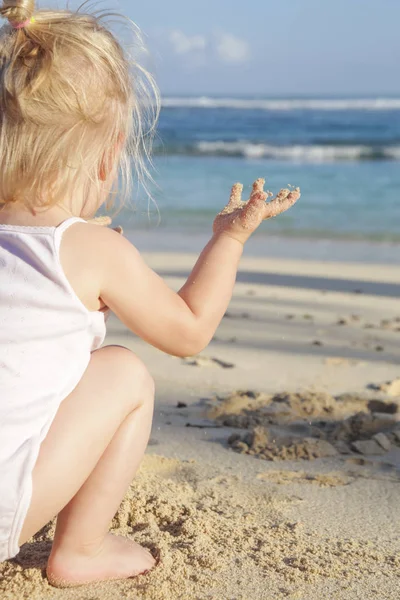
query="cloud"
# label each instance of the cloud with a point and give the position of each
(184, 44)
(202, 49)
(231, 49)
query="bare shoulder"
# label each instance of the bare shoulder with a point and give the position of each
(91, 242)
(87, 253)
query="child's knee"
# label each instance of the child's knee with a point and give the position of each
(132, 374)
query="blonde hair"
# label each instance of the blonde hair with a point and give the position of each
(69, 93)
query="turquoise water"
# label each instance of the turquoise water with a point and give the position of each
(344, 154)
(355, 201)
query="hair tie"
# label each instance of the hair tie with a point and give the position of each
(22, 24)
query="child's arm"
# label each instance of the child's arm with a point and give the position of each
(183, 323)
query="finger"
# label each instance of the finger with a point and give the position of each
(258, 186)
(102, 221)
(283, 201)
(236, 196)
(253, 212)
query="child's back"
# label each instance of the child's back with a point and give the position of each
(46, 337)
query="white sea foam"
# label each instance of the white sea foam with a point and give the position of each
(380, 104)
(312, 153)
(393, 152)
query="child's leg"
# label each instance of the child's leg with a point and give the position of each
(89, 457)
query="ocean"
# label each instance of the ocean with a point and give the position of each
(343, 153)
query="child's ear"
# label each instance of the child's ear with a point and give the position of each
(108, 161)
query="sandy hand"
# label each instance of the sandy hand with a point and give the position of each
(105, 222)
(239, 219)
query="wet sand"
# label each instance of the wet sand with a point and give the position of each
(273, 468)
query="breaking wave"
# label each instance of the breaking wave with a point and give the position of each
(336, 104)
(302, 153)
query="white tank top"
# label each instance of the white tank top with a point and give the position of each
(46, 338)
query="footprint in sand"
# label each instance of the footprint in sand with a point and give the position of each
(378, 470)
(377, 465)
(153, 442)
(243, 315)
(386, 324)
(206, 361)
(342, 322)
(231, 340)
(391, 388)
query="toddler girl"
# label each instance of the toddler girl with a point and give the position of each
(75, 417)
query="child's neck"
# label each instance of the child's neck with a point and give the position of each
(17, 214)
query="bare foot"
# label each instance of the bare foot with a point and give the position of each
(116, 558)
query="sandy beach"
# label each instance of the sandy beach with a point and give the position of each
(273, 468)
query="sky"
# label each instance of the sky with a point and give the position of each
(269, 48)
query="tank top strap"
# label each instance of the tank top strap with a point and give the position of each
(66, 224)
(62, 228)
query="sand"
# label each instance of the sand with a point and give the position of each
(308, 425)
(259, 482)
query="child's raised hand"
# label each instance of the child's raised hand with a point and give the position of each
(240, 219)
